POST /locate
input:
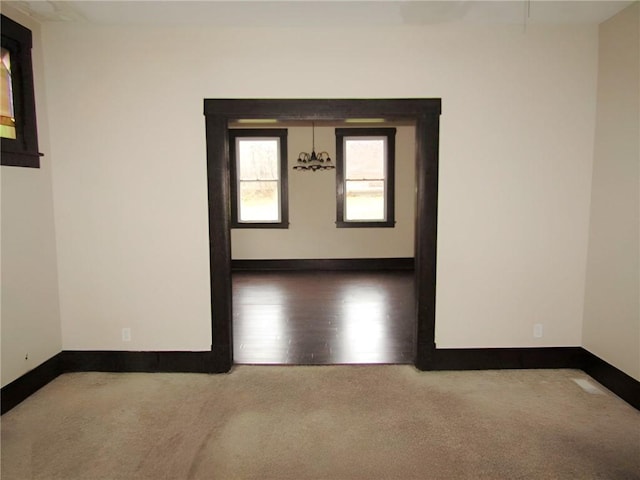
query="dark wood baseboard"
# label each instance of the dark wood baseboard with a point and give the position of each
(123, 361)
(353, 264)
(626, 387)
(21, 388)
(507, 358)
(615, 380)
(220, 359)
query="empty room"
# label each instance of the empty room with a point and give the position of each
(320, 240)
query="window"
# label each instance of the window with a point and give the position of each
(7, 114)
(258, 178)
(18, 132)
(365, 159)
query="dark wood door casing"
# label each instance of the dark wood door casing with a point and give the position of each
(219, 112)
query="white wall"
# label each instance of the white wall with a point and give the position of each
(612, 300)
(130, 180)
(312, 232)
(30, 316)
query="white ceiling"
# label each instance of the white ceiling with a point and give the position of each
(270, 13)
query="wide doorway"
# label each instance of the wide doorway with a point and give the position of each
(220, 113)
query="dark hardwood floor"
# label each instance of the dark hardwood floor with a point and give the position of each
(323, 317)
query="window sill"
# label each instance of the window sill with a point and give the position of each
(21, 159)
(387, 224)
(282, 225)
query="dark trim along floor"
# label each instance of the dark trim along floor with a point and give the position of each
(615, 380)
(362, 264)
(21, 388)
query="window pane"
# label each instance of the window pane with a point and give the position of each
(7, 120)
(364, 200)
(257, 159)
(364, 158)
(258, 202)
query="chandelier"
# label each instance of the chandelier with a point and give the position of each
(314, 161)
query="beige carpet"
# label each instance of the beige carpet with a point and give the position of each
(343, 422)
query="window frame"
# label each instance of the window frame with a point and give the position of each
(341, 135)
(279, 133)
(23, 150)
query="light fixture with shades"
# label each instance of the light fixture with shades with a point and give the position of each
(314, 161)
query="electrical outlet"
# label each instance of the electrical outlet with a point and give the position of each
(537, 330)
(126, 334)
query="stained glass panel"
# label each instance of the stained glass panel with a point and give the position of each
(7, 114)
